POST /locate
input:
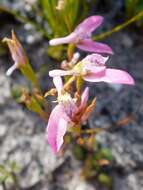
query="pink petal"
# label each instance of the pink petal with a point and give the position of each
(112, 76)
(63, 124)
(71, 38)
(89, 25)
(56, 128)
(91, 46)
(119, 76)
(84, 98)
(96, 59)
(59, 72)
(96, 70)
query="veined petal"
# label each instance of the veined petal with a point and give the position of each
(112, 76)
(92, 46)
(89, 25)
(56, 128)
(59, 72)
(71, 38)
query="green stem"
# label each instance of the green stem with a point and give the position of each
(119, 27)
(70, 51)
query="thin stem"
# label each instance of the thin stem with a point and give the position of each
(119, 27)
(70, 51)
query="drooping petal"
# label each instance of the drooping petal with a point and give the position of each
(89, 25)
(71, 38)
(92, 46)
(63, 124)
(111, 76)
(56, 128)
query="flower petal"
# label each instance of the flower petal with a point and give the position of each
(112, 76)
(96, 59)
(58, 84)
(71, 38)
(56, 128)
(89, 25)
(119, 76)
(96, 70)
(59, 72)
(92, 46)
(63, 124)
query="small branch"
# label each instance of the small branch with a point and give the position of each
(119, 27)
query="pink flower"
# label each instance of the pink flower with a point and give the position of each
(93, 69)
(81, 37)
(66, 114)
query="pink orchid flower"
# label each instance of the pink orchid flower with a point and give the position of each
(93, 69)
(81, 37)
(65, 114)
